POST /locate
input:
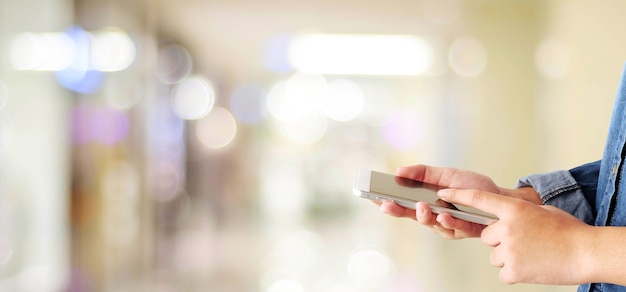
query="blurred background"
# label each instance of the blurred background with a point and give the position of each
(210, 145)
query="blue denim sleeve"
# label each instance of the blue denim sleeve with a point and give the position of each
(572, 191)
(587, 178)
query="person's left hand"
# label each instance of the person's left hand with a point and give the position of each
(531, 243)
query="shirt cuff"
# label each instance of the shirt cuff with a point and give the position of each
(549, 185)
(560, 189)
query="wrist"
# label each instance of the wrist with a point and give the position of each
(586, 255)
(601, 255)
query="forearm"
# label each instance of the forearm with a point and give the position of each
(603, 255)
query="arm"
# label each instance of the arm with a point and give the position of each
(605, 256)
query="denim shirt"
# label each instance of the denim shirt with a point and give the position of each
(594, 192)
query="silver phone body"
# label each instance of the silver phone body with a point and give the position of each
(406, 192)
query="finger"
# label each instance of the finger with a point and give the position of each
(424, 215)
(495, 259)
(489, 202)
(450, 222)
(508, 275)
(420, 172)
(444, 232)
(443, 176)
(411, 183)
(462, 228)
(447, 227)
(393, 209)
(489, 236)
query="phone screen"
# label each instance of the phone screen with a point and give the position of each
(391, 186)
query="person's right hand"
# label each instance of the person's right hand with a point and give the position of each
(444, 224)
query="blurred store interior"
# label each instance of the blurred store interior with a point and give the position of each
(210, 145)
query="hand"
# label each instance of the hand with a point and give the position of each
(532, 243)
(444, 224)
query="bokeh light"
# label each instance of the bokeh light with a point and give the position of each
(299, 96)
(26, 51)
(77, 56)
(341, 287)
(217, 129)
(192, 98)
(439, 64)
(552, 58)
(174, 64)
(280, 280)
(103, 125)
(467, 57)
(308, 129)
(113, 126)
(404, 283)
(75, 51)
(307, 93)
(112, 50)
(80, 76)
(275, 54)
(272, 275)
(403, 129)
(369, 268)
(247, 103)
(278, 103)
(42, 51)
(345, 100)
(286, 285)
(380, 101)
(360, 54)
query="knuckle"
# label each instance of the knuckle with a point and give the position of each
(493, 258)
(506, 231)
(507, 276)
(477, 198)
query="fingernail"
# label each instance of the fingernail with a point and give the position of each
(422, 212)
(445, 193)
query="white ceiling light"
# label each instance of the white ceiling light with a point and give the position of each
(346, 54)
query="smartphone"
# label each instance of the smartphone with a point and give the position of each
(406, 192)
